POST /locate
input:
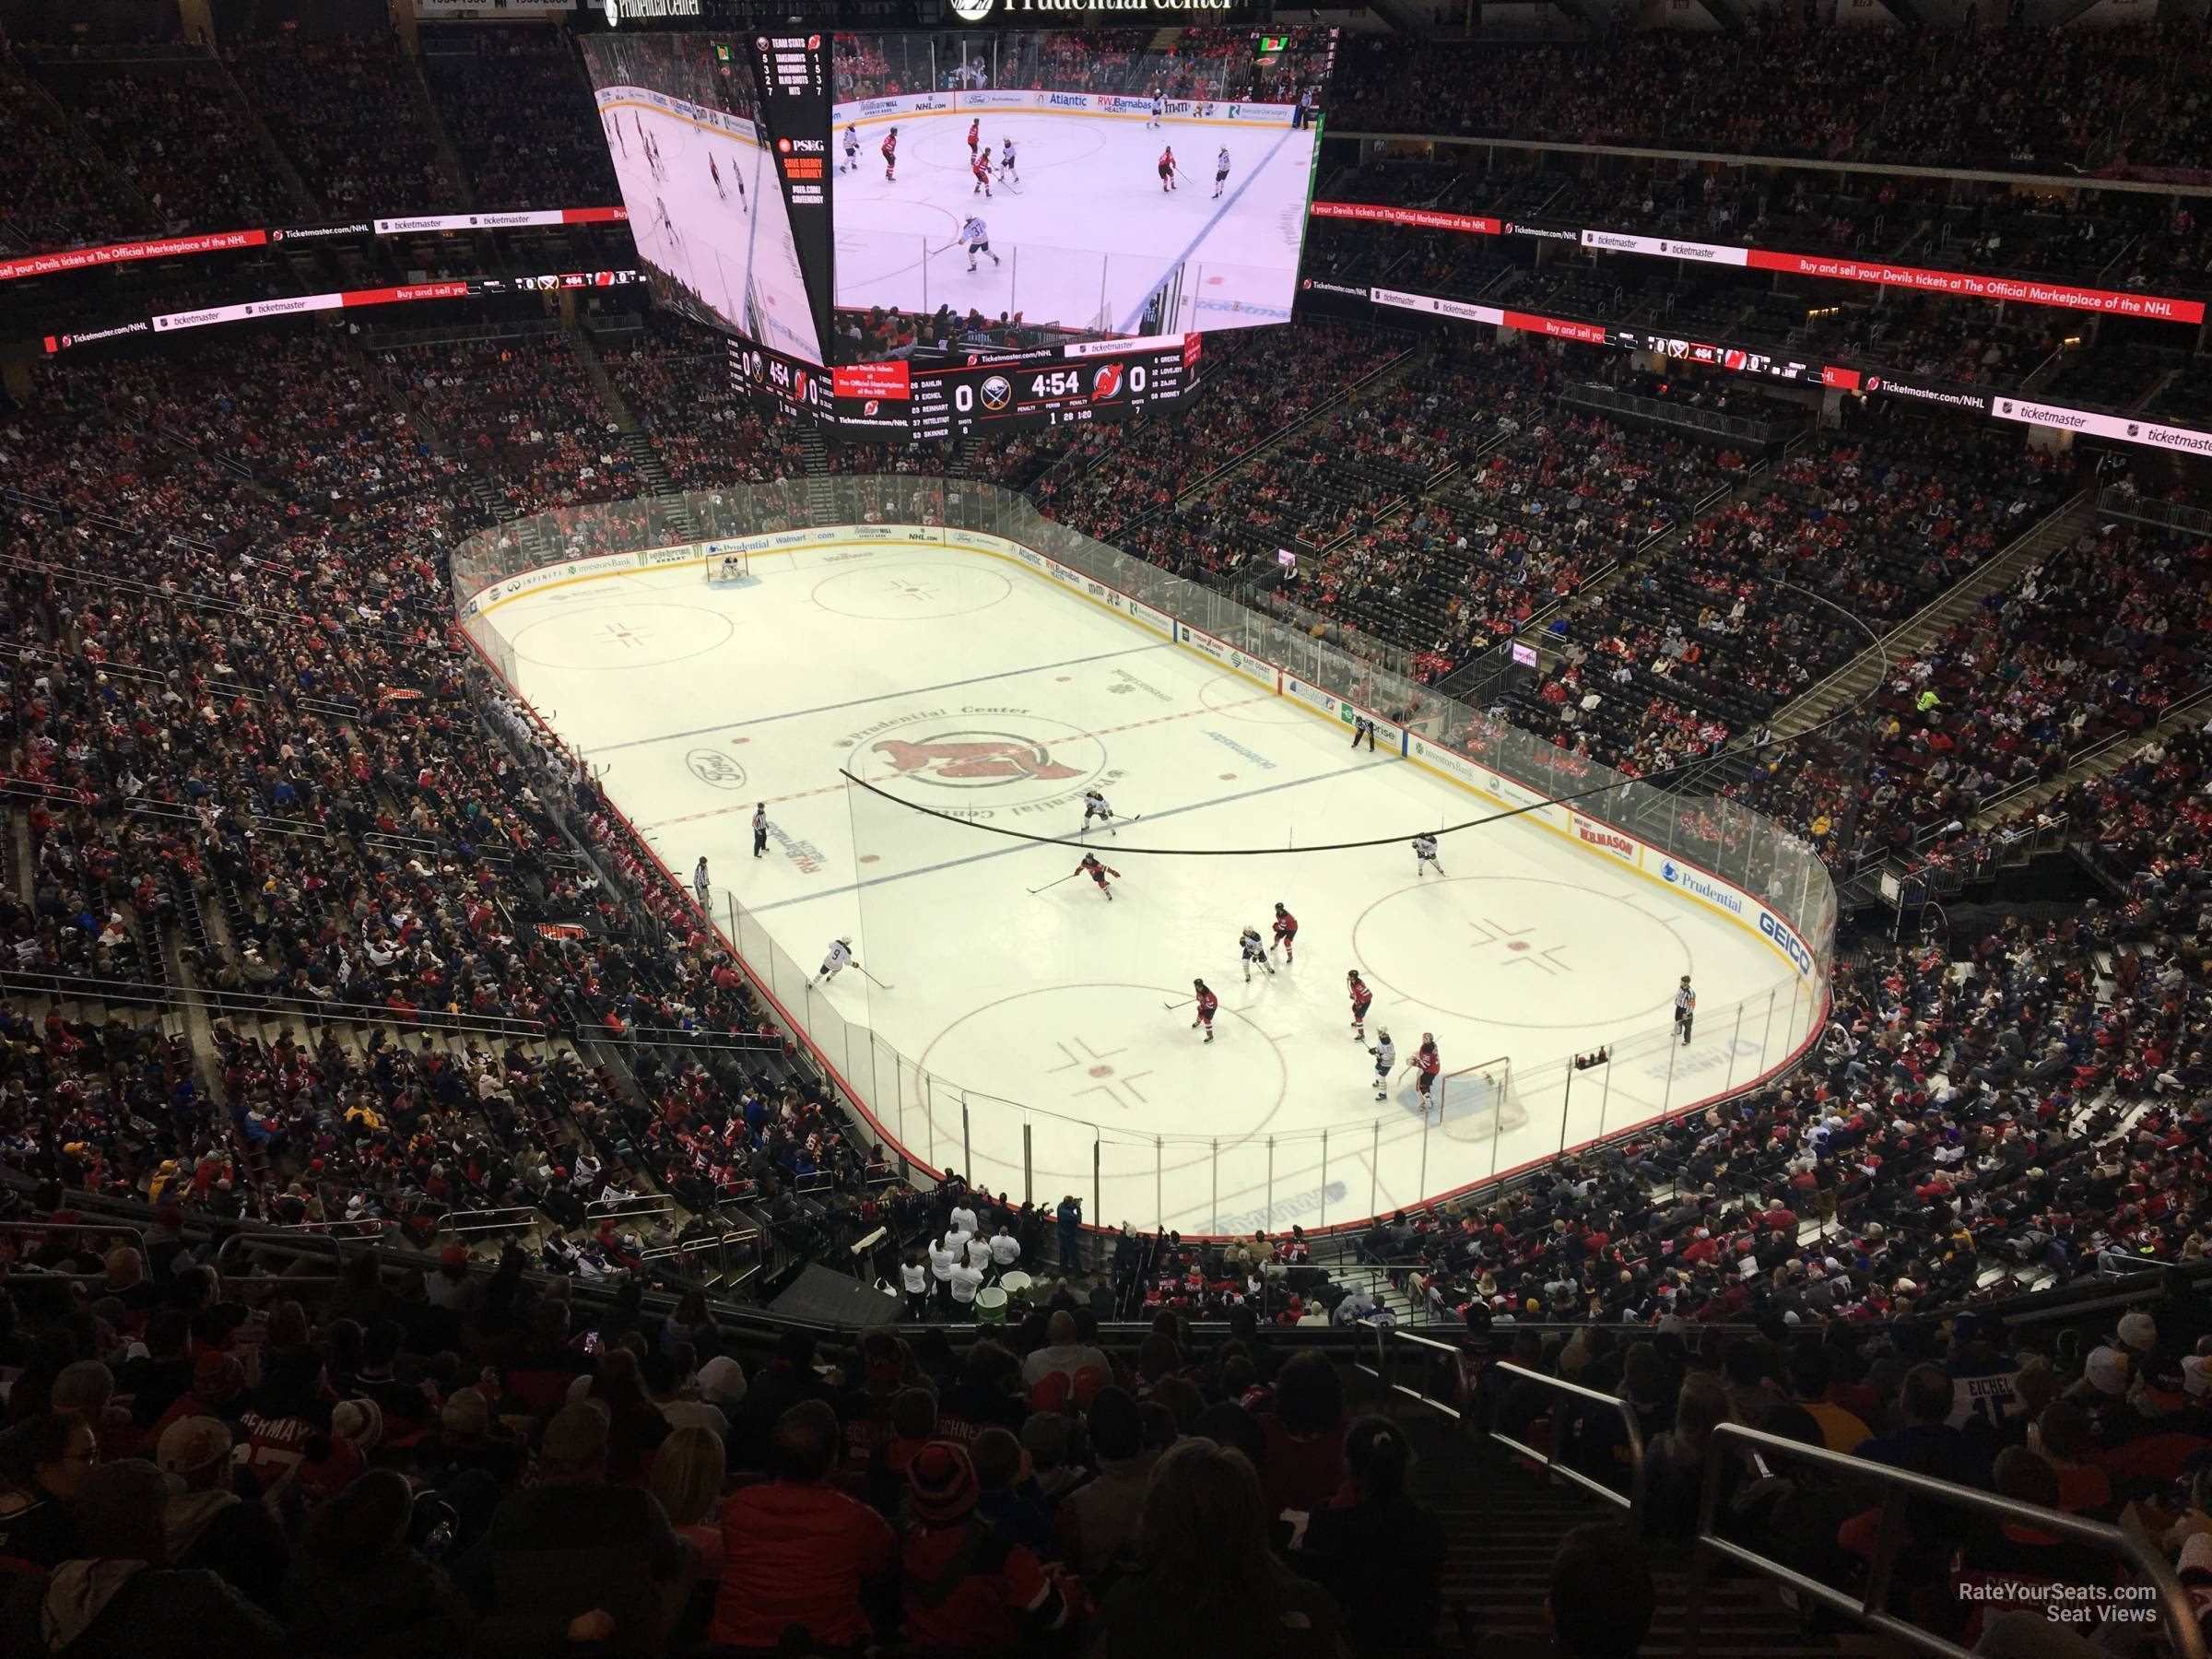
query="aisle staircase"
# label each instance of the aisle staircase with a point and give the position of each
(667, 496)
(1503, 1523)
(1856, 678)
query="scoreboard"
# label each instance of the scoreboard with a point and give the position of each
(979, 392)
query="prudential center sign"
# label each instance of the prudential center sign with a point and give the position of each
(977, 11)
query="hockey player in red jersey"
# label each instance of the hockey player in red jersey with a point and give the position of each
(1360, 997)
(1098, 872)
(890, 155)
(1167, 168)
(1285, 932)
(974, 128)
(1207, 1003)
(980, 167)
(1427, 1064)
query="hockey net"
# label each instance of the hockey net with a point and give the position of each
(728, 567)
(1478, 1101)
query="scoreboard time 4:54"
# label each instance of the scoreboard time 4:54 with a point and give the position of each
(1099, 379)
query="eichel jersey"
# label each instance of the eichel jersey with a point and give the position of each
(1386, 1055)
(1985, 1391)
(838, 955)
(1424, 846)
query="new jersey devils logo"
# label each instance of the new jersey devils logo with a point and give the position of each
(981, 759)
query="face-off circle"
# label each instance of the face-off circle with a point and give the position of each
(911, 591)
(1107, 1064)
(619, 633)
(1519, 952)
(977, 755)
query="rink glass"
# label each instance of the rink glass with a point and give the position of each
(1321, 1178)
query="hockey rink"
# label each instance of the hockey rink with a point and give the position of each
(1024, 1037)
(727, 241)
(1086, 236)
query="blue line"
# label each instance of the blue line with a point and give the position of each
(953, 863)
(732, 725)
(1230, 200)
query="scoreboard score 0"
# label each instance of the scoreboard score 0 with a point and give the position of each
(1101, 380)
(982, 392)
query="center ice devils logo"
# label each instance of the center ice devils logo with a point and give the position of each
(973, 759)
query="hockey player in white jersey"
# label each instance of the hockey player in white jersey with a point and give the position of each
(1094, 806)
(977, 235)
(1221, 171)
(835, 960)
(1159, 111)
(1248, 943)
(1424, 855)
(1387, 1061)
(851, 142)
(1006, 162)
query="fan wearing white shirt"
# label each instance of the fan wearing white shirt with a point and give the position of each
(1005, 1249)
(966, 1282)
(944, 1257)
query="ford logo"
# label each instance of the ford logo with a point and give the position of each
(715, 768)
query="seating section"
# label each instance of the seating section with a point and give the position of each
(348, 115)
(1981, 99)
(517, 107)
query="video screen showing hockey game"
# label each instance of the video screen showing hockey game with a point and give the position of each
(705, 208)
(1032, 189)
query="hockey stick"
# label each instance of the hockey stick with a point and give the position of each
(871, 978)
(1069, 877)
(1170, 1007)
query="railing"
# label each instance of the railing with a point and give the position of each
(1612, 401)
(2113, 502)
(1560, 1436)
(2154, 1585)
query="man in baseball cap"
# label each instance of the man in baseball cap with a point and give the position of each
(207, 1526)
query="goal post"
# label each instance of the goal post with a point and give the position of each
(727, 564)
(1475, 1102)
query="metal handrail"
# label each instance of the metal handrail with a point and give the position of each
(1632, 1501)
(132, 1235)
(1899, 1486)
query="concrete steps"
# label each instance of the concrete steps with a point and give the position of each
(1864, 673)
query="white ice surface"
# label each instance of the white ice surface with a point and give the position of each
(1087, 234)
(731, 245)
(1008, 1009)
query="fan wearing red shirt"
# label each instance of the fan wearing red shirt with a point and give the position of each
(961, 1584)
(797, 1550)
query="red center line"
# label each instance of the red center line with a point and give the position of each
(690, 818)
